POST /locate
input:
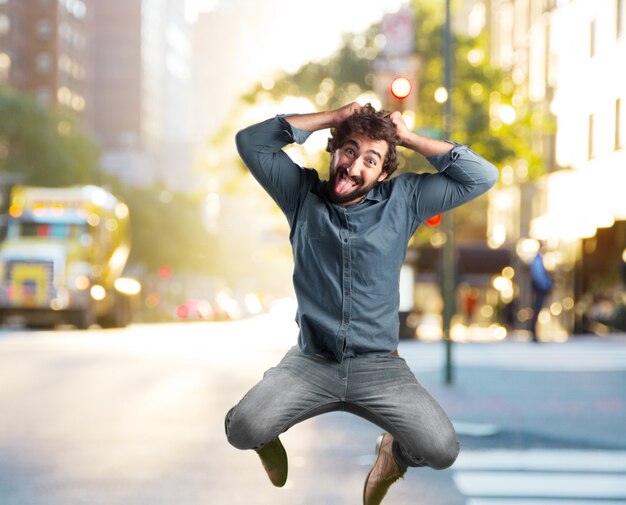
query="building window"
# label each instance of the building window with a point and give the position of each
(619, 15)
(5, 24)
(590, 138)
(44, 29)
(5, 67)
(547, 57)
(592, 39)
(43, 63)
(618, 124)
(77, 8)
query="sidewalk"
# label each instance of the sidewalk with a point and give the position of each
(527, 395)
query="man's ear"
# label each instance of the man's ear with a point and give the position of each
(383, 175)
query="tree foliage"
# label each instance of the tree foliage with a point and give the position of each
(166, 229)
(491, 112)
(45, 147)
(479, 90)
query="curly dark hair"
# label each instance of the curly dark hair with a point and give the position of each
(377, 125)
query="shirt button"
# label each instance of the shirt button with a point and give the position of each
(347, 292)
(345, 239)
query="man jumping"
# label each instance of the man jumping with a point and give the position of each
(349, 237)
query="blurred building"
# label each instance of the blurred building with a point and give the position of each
(45, 50)
(141, 82)
(123, 66)
(219, 37)
(563, 57)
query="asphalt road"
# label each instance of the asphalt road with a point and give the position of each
(135, 417)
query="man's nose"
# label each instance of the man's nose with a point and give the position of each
(355, 167)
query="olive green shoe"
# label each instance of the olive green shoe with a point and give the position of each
(274, 459)
(383, 474)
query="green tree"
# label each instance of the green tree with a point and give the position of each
(166, 229)
(479, 89)
(45, 147)
(491, 112)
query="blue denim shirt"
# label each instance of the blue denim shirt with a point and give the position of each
(347, 260)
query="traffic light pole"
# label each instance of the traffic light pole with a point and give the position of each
(448, 267)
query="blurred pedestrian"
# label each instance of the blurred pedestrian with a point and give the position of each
(542, 285)
(349, 237)
(623, 267)
(470, 300)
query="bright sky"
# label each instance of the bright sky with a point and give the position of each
(296, 31)
(251, 39)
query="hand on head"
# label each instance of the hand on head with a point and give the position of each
(401, 127)
(347, 110)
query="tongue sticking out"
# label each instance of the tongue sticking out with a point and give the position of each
(344, 185)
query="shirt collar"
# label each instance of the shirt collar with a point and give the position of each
(375, 194)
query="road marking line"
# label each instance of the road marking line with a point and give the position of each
(531, 501)
(559, 485)
(543, 460)
(549, 357)
(475, 429)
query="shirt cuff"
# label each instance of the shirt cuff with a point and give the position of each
(295, 134)
(442, 161)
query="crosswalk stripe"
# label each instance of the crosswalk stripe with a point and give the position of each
(593, 461)
(574, 355)
(475, 429)
(531, 501)
(564, 361)
(557, 485)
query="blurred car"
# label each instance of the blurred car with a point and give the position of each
(196, 310)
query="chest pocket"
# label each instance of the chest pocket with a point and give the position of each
(317, 221)
(378, 252)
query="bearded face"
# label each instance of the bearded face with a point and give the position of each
(356, 168)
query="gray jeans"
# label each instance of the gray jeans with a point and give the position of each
(382, 390)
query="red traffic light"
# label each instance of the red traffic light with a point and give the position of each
(401, 87)
(434, 221)
(165, 272)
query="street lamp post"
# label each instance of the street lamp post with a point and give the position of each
(448, 267)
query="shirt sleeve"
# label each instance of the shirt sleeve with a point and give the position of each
(260, 147)
(462, 175)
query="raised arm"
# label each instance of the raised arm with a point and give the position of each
(424, 145)
(260, 147)
(462, 174)
(321, 120)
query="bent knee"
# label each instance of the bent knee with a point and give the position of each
(445, 457)
(242, 432)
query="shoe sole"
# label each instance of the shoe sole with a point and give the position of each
(282, 454)
(283, 481)
(379, 443)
